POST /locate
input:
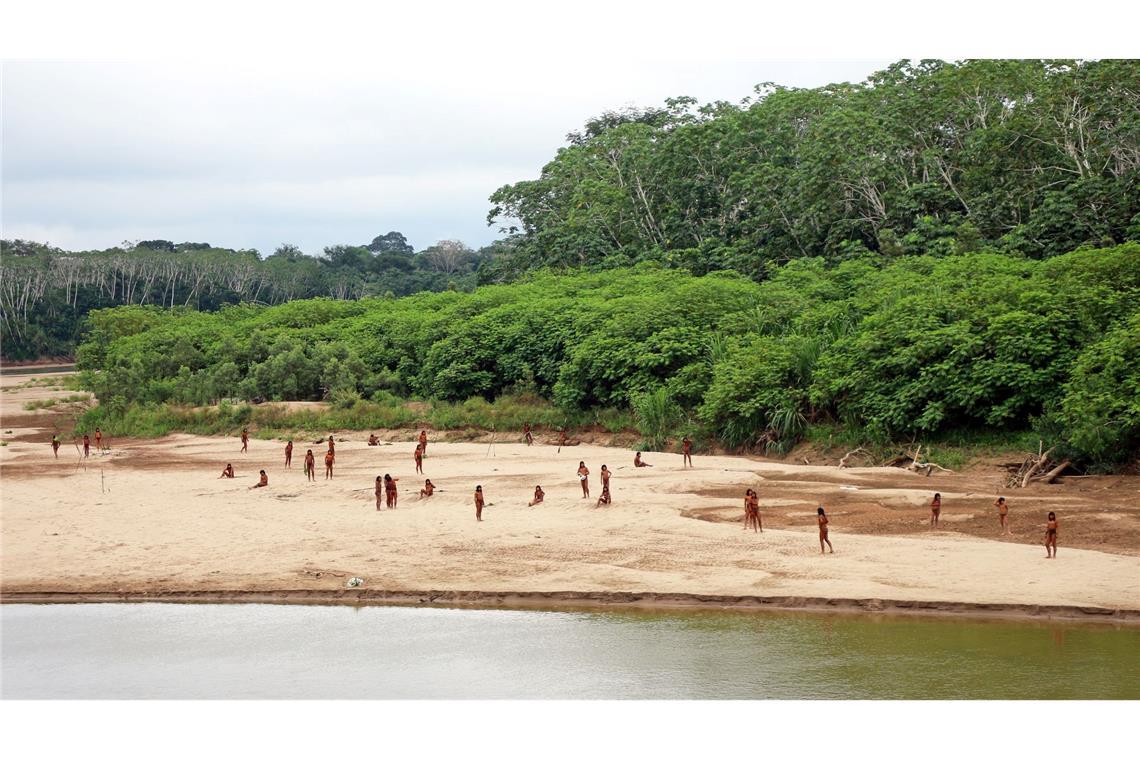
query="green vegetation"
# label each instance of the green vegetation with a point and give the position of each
(922, 346)
(48, 403)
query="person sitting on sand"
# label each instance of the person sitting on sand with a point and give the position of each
(228, 472)
(427, 490)
(423, 442)
(329, 459)
(261, 483)
(419, 457)
(686, 452)
(935, 510)
(1051, 536)
(390, 492)
(310, 465)
(526, 434)
(822, 519)
(86, 445)
(605, 476)
(379, 491)
(289, 453)
(584, 477)
(1003, 515)
(373, 440)
(55, 445)
(539, 494)
(637, 461)
(479, 503)
(244, 440)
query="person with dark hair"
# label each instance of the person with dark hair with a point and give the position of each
(99, 440)
(227, 472)
(539, 495)
(1003, 514)
(373, 440)
(935, 510)
(756, 511)
(1051, 536)
(390, 492)
(419, 457)
(428, 489)
(289, 453)
(244, 440)
(637, 461)
(584, 477)
(526, 434)
(686, 451)
(55, 445)
(330, 458)
(310, 465)
(86, 445)
(821, 517)
(379, 491)
(423, 442)
(479, 503)
(332, 448)
(605, 497)
(261, 483)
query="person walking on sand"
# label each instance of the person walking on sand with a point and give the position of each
(479, 503)
(379, 491)
(55, 445)
(390, 492)
(419, 457)
(539, 494)
(261, 483)
(1051, 536)
(86, 445)
(637, 461)
(822, 519)
(310, 465)
(228, 472)
(289, 453)
(423, 442)
(244, 440)
(1003, 515)
(329, 459)
(526, 434)
(427, 490)
(605, 476)
(935, 510)
(686, 452)
(584, 477)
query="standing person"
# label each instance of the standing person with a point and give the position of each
(289, 453)
(561, 437)
(55, 445)
(310, 465)
(99, 440)
(637, 461)
(244, 440)
(228, 472)
(584, 477)
(332, 447)
(756, 511)
(329, 459)
(747, 508)
(427, 490)
(86, 445)
(526, 434)
(605, 476)
(539, 494)
(379, 491)
(686, 452)
(1051, 536)
(822, 519)
(479, 503)
(419, 457)
(1003, 515)
(261, 483)
(390, 492)
(423, 442)
(935, 510)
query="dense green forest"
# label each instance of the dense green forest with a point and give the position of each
(919, 346)
(45, 292)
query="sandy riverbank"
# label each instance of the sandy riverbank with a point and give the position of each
(152, 517)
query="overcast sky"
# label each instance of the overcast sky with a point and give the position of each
(256, 155)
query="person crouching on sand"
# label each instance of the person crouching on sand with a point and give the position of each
(228, 472)
(373, 440)
(935, 510)
(1051, 536)
(427, 490)
(822, 519)
(479, 503)
(637, 461)
(310, 465)
(261, 483)
(539, 494)
(1003, 514)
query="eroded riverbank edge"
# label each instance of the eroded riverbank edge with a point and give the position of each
(594, 601)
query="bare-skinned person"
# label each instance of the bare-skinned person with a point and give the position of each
(332, 446)
(1003, 515)
(479, 503)
(821, 518)
(686, 451)
(1051, 536)
(423, 443)
(539, 495)
(55, 445)
(428, 489)
(261, 483)
(244, 440)
(605, 476)
(86, 445)
(584, 478)
(526, 434)
(289, 453)
(379, 491)
(638, 462)
(390, 492)
(227, 471)
(329, 460)
(310, 465)
(756, 511)
(561, 437)
(419, 457)
(99, 440)
(935, 509)
(373, 440)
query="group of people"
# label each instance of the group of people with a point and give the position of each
(56, 443)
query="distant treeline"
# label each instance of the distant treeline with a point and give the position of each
(45, 292)
(921, 346)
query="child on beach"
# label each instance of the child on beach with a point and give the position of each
(935, 510)
(427, 490)
(605, 497)
(686, 452)
(86, 445)
(479, 503)
(261, 483)
(423, 442)
(539, 494)
(526, 434)
(1051, 536)
(1003, 514)
(228, 472)
(99, 440)
(289, 453)
(55, 445)
(244, 440)
(310, 465)
(583, 476)
(822, 518)
(419, 457)
(379, 491)
(329, 459)
(390, 492)
(756, 512)
(332, 448)
(637, 462)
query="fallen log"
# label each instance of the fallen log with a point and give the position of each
(1036, 468)
(848, 455)
(1050, 476)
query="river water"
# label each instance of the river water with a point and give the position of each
(205, 651)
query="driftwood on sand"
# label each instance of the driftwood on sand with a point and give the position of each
(1032, 470)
